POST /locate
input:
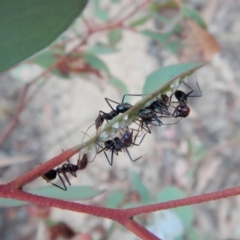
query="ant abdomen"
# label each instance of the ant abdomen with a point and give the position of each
(50, 175)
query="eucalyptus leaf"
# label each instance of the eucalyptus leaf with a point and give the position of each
(163, 75)
(115, 199)
(28, 26)
(172, 193)
(140, 188)
(115, 36)
(100, 13)
(189, 12)
(100, 48)
(46, 59)
(120, 85)
(140, 21)
(165, 39)
(95, 62)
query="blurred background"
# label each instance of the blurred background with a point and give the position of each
(198, 155)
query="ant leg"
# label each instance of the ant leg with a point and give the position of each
(108, 102)
(157, 120)
(94, 157)
(64, 189)
(110, 162)
(133, 160)
(145, 127)
(103, 149)
(104, 115)
(65, 176)
(72, 172)
(176, 113)
(196, 95)
(63, 183)
(136, 95)
(142, 126)
(138, 144)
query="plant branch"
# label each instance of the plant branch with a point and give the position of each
(229, 192)
(139, 230)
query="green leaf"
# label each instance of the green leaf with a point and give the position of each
(46, 59)
(95, 62)
(5, 202)
(115, 1)
(100, 13)
(140, 187)
(189, 12)
(172, 193)
(115, 199)
(161, 76)
(114, 36)
(73, 193)
(28, 26)
(192, 234)
(100, 48)
(165, 39)
(119, 84)
(140, 21)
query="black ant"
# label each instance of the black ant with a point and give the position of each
(118, 144)
(147, 116)
(120, 108)
(66, 168)
(182, 109)
(161, 105)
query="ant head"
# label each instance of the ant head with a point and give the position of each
(180, 96)
(183, 110)
(99, 121)
(128, 134)
(165, 98)
(83, 162)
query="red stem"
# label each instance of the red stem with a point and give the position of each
(121, 216)
(41, 169)
(229, 192)
(139, 230)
